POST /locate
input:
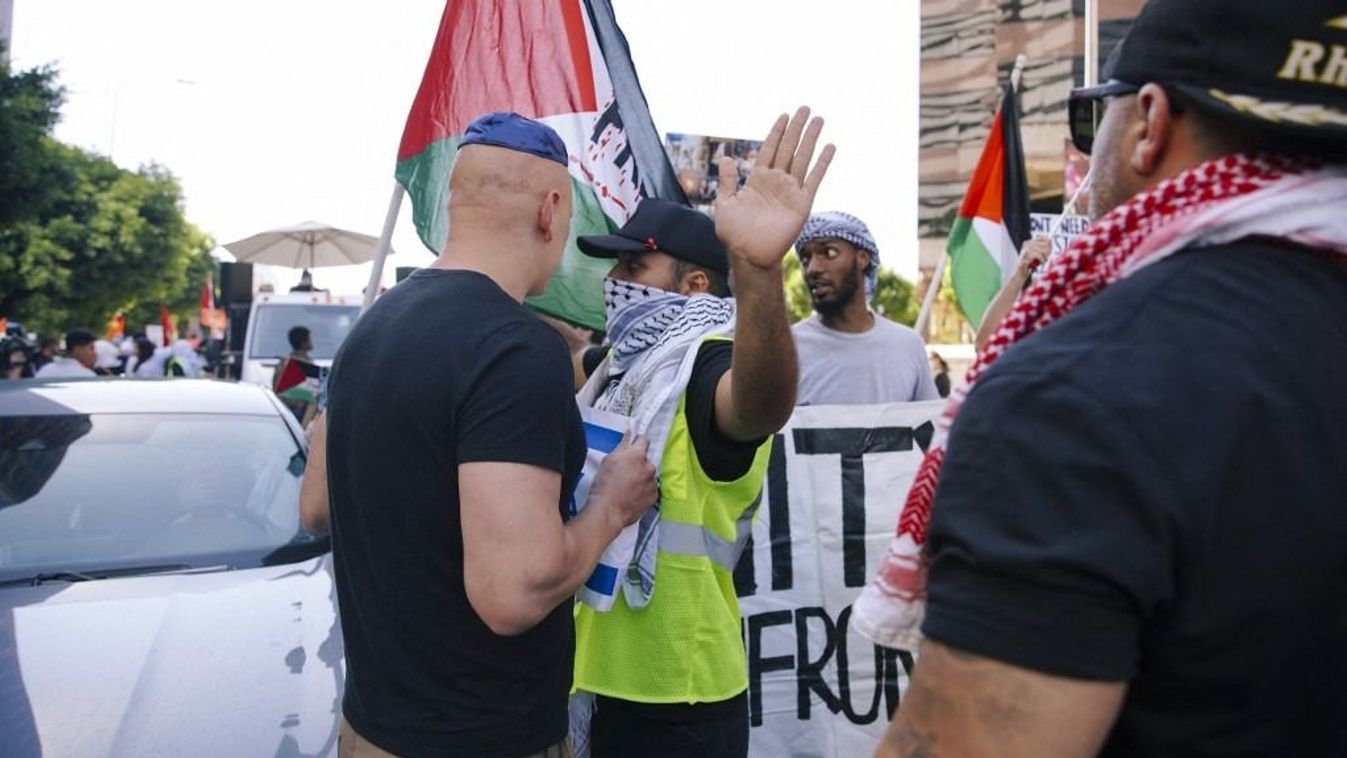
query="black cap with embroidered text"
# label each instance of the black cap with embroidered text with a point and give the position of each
(666, 227)
(1278, 65)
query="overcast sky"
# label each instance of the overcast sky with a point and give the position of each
(273, 112)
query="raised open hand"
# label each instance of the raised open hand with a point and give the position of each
(760, 221)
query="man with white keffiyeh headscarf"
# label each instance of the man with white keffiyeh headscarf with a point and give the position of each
(850, 355)
(1129, 532)
(707, 380)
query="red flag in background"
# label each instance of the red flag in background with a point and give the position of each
(207, 296)
(566, 63)
(166, 321)
(212, 318)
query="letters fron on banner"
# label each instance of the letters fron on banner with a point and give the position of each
(603, 433)
(836, 481)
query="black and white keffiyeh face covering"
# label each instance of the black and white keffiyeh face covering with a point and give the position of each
(638, 316)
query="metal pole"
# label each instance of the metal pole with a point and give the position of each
(385, 240)
(1017, 73)
(1091, 43)
(932, 289)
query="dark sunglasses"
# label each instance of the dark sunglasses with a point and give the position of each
(1085, 107)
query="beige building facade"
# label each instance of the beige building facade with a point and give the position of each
(968, 49)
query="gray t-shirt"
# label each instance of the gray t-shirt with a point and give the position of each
(887, 364)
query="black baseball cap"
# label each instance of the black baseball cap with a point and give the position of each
(1278, 65)
(666, 227)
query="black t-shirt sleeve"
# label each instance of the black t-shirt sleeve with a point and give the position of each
(1052, 537)
(517, 405)
(723, 459)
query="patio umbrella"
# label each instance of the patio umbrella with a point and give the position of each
(306, 245)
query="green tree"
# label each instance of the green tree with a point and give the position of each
(82, 239)
(798, 303)
(895, 297)
(30, 103)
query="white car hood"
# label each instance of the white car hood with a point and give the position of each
(230, 663)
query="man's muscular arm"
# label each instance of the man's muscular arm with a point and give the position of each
(961, 704)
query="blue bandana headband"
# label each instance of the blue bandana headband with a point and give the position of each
(836, 225)
(514, 132)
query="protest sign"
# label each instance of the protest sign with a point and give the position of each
(836, 482)
(1040, 224)
(694, 156)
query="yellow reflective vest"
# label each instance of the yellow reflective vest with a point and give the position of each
(685, 646)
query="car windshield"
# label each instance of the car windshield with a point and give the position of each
(328, 325)
(93, 493)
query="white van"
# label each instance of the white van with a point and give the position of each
(328, 317)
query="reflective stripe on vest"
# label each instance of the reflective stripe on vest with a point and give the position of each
(690, 539)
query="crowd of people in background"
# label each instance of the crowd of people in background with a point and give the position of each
(80, 353)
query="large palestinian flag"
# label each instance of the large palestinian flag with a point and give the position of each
(993, 220)
(565, 63)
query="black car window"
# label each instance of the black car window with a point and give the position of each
(89, 493)
(328, 325)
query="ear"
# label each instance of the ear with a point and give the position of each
(1154, 130)
(547, 213)
(695, 282)
(863, 257)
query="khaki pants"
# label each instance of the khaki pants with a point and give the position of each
(352, 745)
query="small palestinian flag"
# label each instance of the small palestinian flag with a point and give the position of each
(298, 381)
(562, 62)
(993, 222)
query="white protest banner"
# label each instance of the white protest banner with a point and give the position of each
(1042, 223)
(837, 479)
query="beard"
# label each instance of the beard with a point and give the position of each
(838, 298)
(1109, 185)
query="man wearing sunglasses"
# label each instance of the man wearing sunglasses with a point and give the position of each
(1138, 539)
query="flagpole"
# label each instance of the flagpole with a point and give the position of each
(932, 289)
(1071, 206)
(937, 279)
(385, 241)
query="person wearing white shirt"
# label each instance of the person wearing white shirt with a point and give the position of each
(849, 355)
(78, 360)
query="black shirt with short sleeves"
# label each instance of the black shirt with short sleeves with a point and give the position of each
(444, 369)
(1154, 490)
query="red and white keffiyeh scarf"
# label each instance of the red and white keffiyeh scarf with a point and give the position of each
(1220, 201)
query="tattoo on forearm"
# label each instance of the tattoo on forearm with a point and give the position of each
(911, 742)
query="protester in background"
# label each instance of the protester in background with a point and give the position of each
(47, 348)
(941, 371)
(849, 355)
(305, 283)
(1137, 546)
(182, 361)
(78, 360)
(301, 346)
(14, 361)
(146, 364)
(453, 443)
(107, 359)
(1032, 255)
(666, 664)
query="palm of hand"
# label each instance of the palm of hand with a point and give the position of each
(761, 220)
